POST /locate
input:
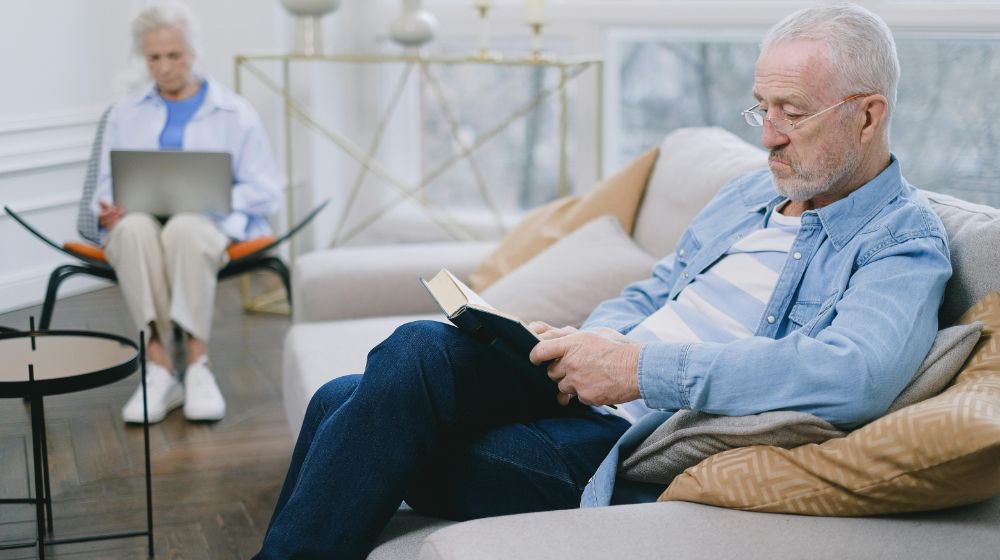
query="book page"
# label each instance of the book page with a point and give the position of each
(470, 296)
(445, 292)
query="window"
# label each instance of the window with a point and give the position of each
(945, 131)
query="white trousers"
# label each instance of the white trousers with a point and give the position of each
(168, 274)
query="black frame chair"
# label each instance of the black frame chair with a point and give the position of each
(257, 260)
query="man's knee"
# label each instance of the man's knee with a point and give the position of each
(332, 394)
(422, 342)
(417, 355)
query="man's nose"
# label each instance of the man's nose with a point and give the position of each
(770, 137)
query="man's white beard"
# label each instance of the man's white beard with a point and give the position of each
(805, 185)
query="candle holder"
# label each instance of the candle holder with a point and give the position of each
(536, 40)
(484, 35)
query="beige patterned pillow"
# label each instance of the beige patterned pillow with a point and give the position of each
(938, 453)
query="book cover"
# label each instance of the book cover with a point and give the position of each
(505, 335)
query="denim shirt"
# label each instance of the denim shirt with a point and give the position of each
(850, 319)
(225, 122)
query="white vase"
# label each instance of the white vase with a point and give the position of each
(315, 8)
(415, 26)
(308, 36)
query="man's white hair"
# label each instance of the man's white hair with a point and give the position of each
(166, 14)
(859, 46)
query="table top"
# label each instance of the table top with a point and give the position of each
(63, 361)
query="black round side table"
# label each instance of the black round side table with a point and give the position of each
(36, 364)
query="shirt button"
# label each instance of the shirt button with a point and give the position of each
(685, 275)
(681, 252)
(770, 319)
(797, 255)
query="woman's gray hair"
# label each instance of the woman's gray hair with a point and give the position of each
(166, 14)
(860, 48)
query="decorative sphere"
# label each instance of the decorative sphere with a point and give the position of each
(310, 7)
(414, 28)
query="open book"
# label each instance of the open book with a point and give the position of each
(505, 335)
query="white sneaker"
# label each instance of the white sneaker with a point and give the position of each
(164, 394)
(202, 398)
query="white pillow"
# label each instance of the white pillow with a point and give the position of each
(564, 283)
(694, 164)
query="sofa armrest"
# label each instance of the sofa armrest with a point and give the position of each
(354, 282)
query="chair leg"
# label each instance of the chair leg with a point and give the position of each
(51, 291)
(278, 266)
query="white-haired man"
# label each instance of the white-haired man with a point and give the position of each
(810, 286)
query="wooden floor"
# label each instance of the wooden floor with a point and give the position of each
(214, 484)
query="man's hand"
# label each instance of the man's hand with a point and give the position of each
(596, 368)
(546, 331)
(109, 214)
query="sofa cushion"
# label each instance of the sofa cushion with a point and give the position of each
(974, 240)
(564, 283)
(690, 437)
(315, 353)
(401, 538)
(676, 530)
(941, 452)
(373, 281)
(618, 195)
(694, 164)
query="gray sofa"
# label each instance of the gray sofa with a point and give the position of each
(349, 299)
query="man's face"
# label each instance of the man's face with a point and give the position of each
(792, 81)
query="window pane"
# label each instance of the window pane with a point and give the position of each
(668, 84)
(520, 164)
(945, 131)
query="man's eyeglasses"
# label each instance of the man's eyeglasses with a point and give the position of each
(755, 116)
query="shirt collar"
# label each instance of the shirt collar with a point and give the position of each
(216, 97)
(845, 217)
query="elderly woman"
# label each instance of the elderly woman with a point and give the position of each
(167, 272)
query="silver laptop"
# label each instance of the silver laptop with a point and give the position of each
(164, 183)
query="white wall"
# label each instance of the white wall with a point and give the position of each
(59, 59)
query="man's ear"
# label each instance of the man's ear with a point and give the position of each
(876, 114)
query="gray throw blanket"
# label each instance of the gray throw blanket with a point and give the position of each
(688, 436)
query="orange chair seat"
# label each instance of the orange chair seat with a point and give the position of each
(86, 250)
(235, 250)
(243, 248)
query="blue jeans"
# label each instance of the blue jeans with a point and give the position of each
(438, 422)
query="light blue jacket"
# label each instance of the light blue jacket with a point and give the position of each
(225, 122)
(852, 315)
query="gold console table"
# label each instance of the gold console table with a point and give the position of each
(568, 68)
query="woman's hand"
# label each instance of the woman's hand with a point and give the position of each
(109, 214)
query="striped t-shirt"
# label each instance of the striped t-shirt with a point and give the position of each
(726, 301)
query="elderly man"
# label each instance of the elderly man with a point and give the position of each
(812, 286)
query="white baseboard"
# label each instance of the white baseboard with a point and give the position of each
(26, 289)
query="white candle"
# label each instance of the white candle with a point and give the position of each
(534, 11)
(483, 4)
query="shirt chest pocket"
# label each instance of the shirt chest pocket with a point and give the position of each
(806, 314)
